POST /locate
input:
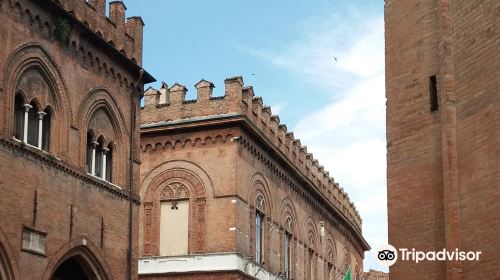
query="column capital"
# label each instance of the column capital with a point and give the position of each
(27, 107)
(105, 150)
(41, 114)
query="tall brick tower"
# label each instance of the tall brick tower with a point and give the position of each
(443, 134)
(70, 85)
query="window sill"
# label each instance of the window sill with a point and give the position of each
(35, 148)
(104, 181)
(33, 252)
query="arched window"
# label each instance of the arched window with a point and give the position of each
(311, 260)
(287, 222)
(287, 247)
(31, 125)
(99, 160)
(330, 257)
(259, 228)
(174, 219)
(330, 269)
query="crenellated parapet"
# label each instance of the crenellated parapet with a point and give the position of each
(124, 34)
(169, 104)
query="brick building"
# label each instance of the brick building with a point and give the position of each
(229, 193)
(70, 85)
(375, 275)
(443, 134)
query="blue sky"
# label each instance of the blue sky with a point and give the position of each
(336, 107)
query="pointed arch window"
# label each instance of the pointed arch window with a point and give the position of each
(259, 228)
(310, 264)
(287, 247)
(288, 253)
(99, 160)
(31, 125)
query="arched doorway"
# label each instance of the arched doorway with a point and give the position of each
(78, 266)
(72, 269)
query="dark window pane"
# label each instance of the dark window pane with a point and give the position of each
(258, 237)
(109, 164)
(46, 131)
(98, 161)
(433, 93)
(19, 117)
(287, 255)
(90, 138)
(33, 126)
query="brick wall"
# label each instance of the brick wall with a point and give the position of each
(51, 191)
(199, 276)
(413, 134)
(442, 167)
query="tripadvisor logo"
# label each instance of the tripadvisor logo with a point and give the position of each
(387, 255)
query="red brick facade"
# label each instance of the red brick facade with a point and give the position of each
(77, 72)
(375, 275)
(200, 276)
(233, 160)
(443, 167)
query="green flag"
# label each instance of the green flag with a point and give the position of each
(347, 276)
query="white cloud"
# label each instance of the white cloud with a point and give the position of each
(348, 138)
(347, 135)
(277, 108)
(332, 55)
